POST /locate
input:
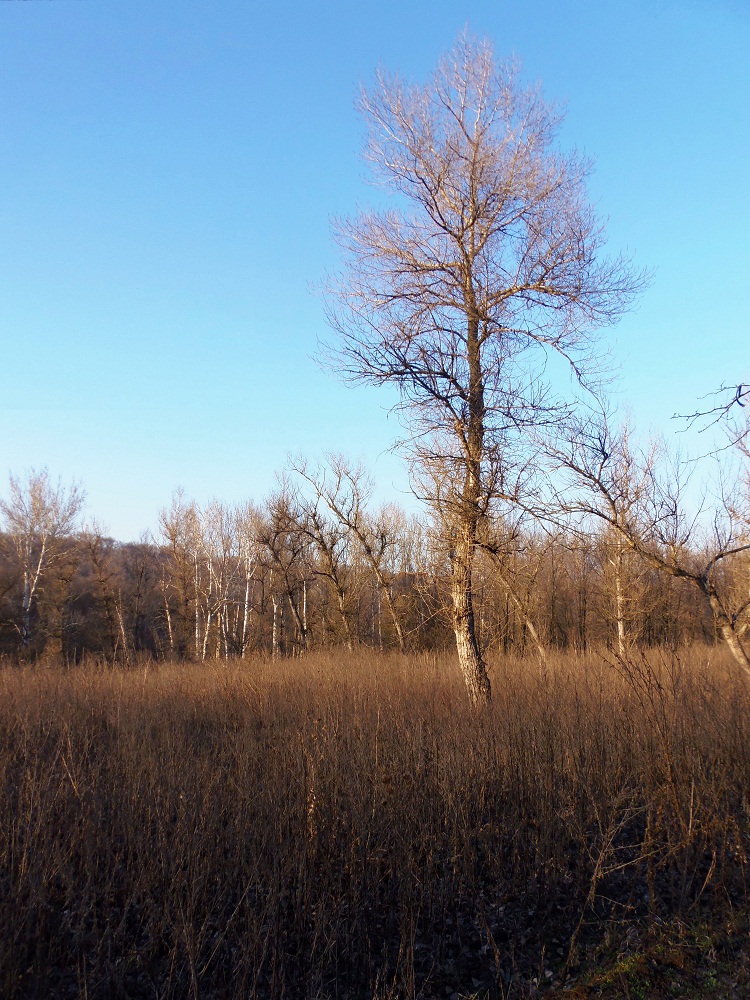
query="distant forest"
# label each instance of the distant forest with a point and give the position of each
(318, 565)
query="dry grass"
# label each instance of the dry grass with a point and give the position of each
(342, 825)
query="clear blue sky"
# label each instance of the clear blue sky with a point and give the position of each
(167, 175)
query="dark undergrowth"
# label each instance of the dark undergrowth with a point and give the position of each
(344, 826)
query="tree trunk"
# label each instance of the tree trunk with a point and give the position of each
(26, 633)
(617, 563)
(510, 594)
(736, 648)
(298, 621)
(376, 610)
(304, 609)
(196, 623)
(245, 615)
(384, 588)
(726, 627)
(344, 615)
(724, 622)
(469, 656)
(207, 624)
(465, 531)
(168, 616)
(123, 633)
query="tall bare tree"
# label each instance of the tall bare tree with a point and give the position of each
(345, 488)
(285, 549)
(40, 516)
(487, 268)
(331, 542)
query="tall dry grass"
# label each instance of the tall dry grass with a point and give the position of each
(344, 826)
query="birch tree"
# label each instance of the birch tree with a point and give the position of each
(247, 519)
(486, 268)
(39, 516)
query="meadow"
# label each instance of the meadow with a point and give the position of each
(344, 825)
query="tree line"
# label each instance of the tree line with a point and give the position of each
(318, 564)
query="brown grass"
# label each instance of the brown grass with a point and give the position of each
(343, 825)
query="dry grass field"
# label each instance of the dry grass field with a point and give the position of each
(342, 825)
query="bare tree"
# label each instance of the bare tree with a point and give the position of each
(247, 519)
(631, 485)
(285, 548)
(500, 540)
(40, 517)
(102, 554)
(181, 578)
(331, 541)
(641, 501)
(345, 489)
(487, 269)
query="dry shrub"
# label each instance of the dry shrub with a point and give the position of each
(344, 825)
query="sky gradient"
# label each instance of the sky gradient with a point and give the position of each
(167, 177)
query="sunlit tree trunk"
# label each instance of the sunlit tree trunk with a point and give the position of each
(470, 660)
(726, 625)
(616, 562)
(168, 615)
(123, 633)
(26, 610)
(245, 615)
(466, 518)
(197, 632)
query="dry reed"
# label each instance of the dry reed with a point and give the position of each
(343, 825)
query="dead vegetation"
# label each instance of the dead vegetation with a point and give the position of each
(344, 825)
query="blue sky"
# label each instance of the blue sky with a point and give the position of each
(168, 173)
